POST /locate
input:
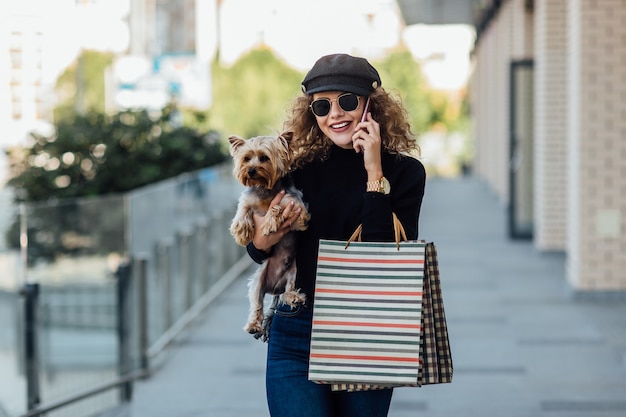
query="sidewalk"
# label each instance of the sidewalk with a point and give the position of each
(521, 345)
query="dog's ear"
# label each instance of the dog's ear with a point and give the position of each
(283, 141)
(235, 142)
(287, 137)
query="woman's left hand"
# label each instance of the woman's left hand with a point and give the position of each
(366, 139)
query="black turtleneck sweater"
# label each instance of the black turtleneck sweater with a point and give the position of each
(334, 190)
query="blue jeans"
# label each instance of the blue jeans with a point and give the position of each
(290, 393)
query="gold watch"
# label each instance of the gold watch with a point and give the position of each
(381, 186)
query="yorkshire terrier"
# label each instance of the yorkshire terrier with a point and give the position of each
(261, 164)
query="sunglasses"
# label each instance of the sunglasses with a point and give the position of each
(347, 102)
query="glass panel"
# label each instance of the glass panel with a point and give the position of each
(12, 380)
(74, 249)
(179, 226)
(522, 152)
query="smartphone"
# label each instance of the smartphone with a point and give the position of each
(366, 109)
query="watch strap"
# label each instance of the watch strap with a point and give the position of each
(373, 186)
(378, 186)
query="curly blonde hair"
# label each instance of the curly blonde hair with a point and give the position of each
(309, 143)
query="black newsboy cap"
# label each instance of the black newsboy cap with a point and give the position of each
(341, 72)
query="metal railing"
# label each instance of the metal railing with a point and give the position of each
(147, 352)
(118, 282)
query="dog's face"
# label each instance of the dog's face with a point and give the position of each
(260, 161)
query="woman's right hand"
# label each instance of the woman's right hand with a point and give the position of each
(290, 214)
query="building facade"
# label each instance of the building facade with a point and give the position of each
(548, 101)
(24, 93)
(172, 43)
(39, 39)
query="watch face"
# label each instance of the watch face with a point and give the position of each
(386, 187)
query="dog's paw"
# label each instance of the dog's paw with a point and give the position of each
(273, 219)
(293, 298)
(254, 325)
(254, 328)
(302, 221)
(242, 240)
(242, 233)
(269, 228)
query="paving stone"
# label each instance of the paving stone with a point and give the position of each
(522, 344)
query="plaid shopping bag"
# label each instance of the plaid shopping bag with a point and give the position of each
(435, 353)
(428, 373)
(444, 354)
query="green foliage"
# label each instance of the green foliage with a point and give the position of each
(81, 87)
(250, 97)
(93, 153)
(97, 154)
(428, 109)
(402, 74)
(457, 117)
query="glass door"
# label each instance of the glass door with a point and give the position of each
(521, 150)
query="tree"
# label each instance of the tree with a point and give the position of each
(427, 108)
(250, 97)
(403, 75)
(81, 87)
(97, 154)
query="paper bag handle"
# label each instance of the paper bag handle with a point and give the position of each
(398, 229)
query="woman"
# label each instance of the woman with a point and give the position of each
(353, 168)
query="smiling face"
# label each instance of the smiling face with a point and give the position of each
(339, 124)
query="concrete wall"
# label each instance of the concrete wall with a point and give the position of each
(508, 37)
(579, 52)
(551, 156)
(596, 131)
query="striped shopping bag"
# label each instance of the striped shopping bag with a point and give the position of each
(367, 314)
(435, 354)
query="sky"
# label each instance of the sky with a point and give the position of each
(298, 33)
(100, 27)
(302, 34)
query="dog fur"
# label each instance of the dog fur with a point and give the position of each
(261, 164)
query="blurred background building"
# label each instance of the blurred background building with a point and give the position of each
(548, 106)
(169, 55)
(546, 88)
(163, 50)
(547, 102)
(38, 40)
